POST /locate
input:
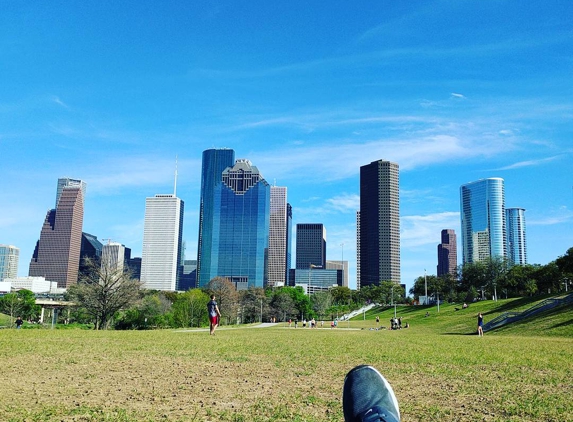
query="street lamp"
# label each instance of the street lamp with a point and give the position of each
(425, 288)
(393, 302)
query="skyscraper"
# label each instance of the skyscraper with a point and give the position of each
(278, 231)
(379, 223)
(162, 242)
(289, 240)
(57, 253)
(357, 250)
(447, 253)
(213, 164)
(90, 248)
(516, 240)
(9, 256)
(341, 266)
(64, 182)
(113, 256)
(310, 246)
(234, 233)
(483, 220)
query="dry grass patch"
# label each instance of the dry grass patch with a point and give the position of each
(278, 374)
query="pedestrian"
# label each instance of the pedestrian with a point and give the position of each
(377, 320)
(19, 323)
(214, 315)
(480, 325)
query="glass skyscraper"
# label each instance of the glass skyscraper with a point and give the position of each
(482, 206)
(234, 223)
(310, 246)
(516, 240)
(447, 253)
(213, 164)
(9, 256)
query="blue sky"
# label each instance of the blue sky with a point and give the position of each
(453, 91)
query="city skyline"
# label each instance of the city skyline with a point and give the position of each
(306, 93)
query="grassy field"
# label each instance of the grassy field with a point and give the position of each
(440, 371)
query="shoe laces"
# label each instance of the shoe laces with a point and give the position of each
(377, 414)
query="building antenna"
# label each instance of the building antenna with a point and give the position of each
(175, 185)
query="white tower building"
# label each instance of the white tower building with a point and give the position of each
(162, 242)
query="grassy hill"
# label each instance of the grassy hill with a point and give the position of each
(448, 320)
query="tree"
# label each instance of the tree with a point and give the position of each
(321, 302)
(341, 295)
(253, 303)
(21, 303)
(190, 309)
(104, 290)
(282, 305)
(227, 297)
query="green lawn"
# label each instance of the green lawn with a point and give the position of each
(440, 370)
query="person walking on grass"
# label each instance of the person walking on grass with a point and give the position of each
(480, 325)
(19, 322)
(214, 315)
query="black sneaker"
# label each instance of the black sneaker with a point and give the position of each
(368, 397)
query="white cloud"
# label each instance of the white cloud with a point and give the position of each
(530, 163)
(420, 230)
(345, 203)
(456, 95)
(560, 216)
(58, 101)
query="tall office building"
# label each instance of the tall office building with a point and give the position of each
(188, 277)
(215, 161)
(57, 253)
(516, 240)
(357, 250)
(162, 242)
(9, 256)
(278, 233)
(447, 253)
(113, 256)
(90, 248)
(483, 220)
(379, 223)
(310, 246)
(64, 182)
(341, 266)
(234, 233)
(289, 240)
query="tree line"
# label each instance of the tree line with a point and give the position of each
(109, 297)
(497, 278)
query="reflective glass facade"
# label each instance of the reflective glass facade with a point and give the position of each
(214, 162)
(310, 246)
(9, 257)
(483, 219)
(516, 244)
(238, 228)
